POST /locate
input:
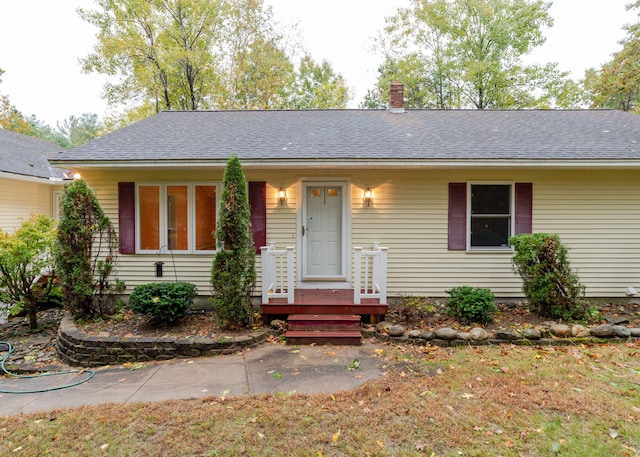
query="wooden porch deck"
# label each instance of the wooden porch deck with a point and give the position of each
(322, 301)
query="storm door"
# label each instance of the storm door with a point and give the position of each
(323, 232)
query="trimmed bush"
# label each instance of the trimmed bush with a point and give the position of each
(233, 271)
(550, 285)
(471, 304)
(164, 303)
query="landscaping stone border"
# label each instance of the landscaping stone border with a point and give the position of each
(551, 334)
(76, 348)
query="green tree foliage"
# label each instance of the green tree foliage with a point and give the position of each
(616, 84)
(256, 72)
(233, 273)
(80, 130)
(199, 54)
(317, 86)
(27, 264)
(552, 288)
(468, 54)
(86, 252)
(160, 49)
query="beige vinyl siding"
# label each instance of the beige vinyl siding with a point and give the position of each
(20, 199)
(596, 214)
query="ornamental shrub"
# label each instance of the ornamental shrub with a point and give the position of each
(471, 304)
(163, 302)
(233, 272)
(548, 282)
(25, 258)
(86, 252)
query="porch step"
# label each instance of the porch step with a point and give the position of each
(323, 329)
(324, 322)
(338, 307)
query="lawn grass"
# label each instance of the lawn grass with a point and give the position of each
(474, 401)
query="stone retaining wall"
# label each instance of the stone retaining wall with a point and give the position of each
(76, 348)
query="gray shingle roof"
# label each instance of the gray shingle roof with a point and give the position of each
(427, 135)
(26, 155)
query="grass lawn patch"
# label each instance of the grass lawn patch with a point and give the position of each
(471, 401)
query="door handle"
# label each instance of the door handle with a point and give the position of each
(303, 230)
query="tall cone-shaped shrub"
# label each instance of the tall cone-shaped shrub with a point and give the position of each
(233, 274)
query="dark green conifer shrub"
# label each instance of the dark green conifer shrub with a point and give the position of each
(86, 252)
(552, 288)
(233, 273)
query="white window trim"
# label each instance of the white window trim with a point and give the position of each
(512, 212)
(191, 216)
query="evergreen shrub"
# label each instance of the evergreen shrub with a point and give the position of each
(471, 304)
(164, 303)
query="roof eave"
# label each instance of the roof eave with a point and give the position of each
(356, 163)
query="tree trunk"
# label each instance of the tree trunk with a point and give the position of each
(32, 309)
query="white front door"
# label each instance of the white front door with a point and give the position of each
(323, 229)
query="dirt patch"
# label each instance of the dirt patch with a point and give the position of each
(127, 324)
(510, 316)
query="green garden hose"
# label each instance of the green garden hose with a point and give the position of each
(90, 374)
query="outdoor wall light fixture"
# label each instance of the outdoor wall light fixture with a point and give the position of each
(282, 196)
(77, 176)
(367, 196)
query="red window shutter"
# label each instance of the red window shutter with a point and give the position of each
(258, 205)
(524, 208)
(457, 216)
(127, 217)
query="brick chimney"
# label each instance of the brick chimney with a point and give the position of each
(396, 97)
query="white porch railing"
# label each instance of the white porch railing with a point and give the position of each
(277, 273)
(370, 274)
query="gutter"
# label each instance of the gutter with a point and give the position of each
(383, 164)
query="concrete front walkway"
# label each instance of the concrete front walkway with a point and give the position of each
(270, 368)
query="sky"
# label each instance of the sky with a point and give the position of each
(42, 40)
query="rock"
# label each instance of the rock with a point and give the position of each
(368, 332)
(544, 328)
(383, 326)
(464, 336)
(616, 320)
(505, 335)
(479, 334)
(414, 334)
(277, 324)
(532, 334)
(395, 330)
(635, 332)
(622, 331)
(579, 331)
(603, 331)
(428, 335)
(446, 333)
(560, 330)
